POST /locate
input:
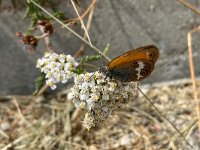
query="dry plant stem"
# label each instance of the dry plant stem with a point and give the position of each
(191, 128)
(79, 52)
(72, 31)
(88, 10)
(46, 37)
(41, 130)
(161, 115)
(44, 88)
(172, 146)
(48, 44)
(83, 26)
(145, 114)
(75, 120)
(84, 36)
(188, 5)
(192, 72)
(68, 126)
(20, 113)
(187, 132)
(147, 139)
(140, 144)
(69, 146)
(67, 142)
(1, 131)
(15, 142)
(90, 65)
(76, 114)
(85, 13)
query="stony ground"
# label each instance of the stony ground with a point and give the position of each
(50, 122)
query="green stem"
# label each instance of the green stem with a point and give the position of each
(90, 65)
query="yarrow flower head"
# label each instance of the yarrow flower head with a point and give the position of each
(57, 68)
(100, 96)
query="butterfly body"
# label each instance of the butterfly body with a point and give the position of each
(134, 65)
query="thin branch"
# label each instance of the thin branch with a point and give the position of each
(192, 72)
(84, 14)
(41, 91)
(20, 113)
(188, 5)
(84, 36)
(15, 142)
(82, 23)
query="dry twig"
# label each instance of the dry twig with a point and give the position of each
(192, 72)
(190, 55)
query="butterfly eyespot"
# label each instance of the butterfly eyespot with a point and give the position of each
(143, 73)
(151, 55)
(134, 63)
(146, 67)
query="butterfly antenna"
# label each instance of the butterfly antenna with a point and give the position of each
(104, 52)
(161, 115)
(101, 60)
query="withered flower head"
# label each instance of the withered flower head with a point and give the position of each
(28, 39)
(45, 26)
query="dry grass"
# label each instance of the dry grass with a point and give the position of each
(51, 122)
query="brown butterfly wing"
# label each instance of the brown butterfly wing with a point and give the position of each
(149, 52)
(132, 71)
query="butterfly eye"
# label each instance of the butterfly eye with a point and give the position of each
(146, 67)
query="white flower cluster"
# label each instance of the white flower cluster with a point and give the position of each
(57, 68)
(100, 96)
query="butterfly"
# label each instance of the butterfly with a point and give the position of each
(134, 65)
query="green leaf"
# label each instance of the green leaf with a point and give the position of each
(60, 15)
(90, 58)
(106, 48)
(39, 82)
(78, 70)
(34, 13)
